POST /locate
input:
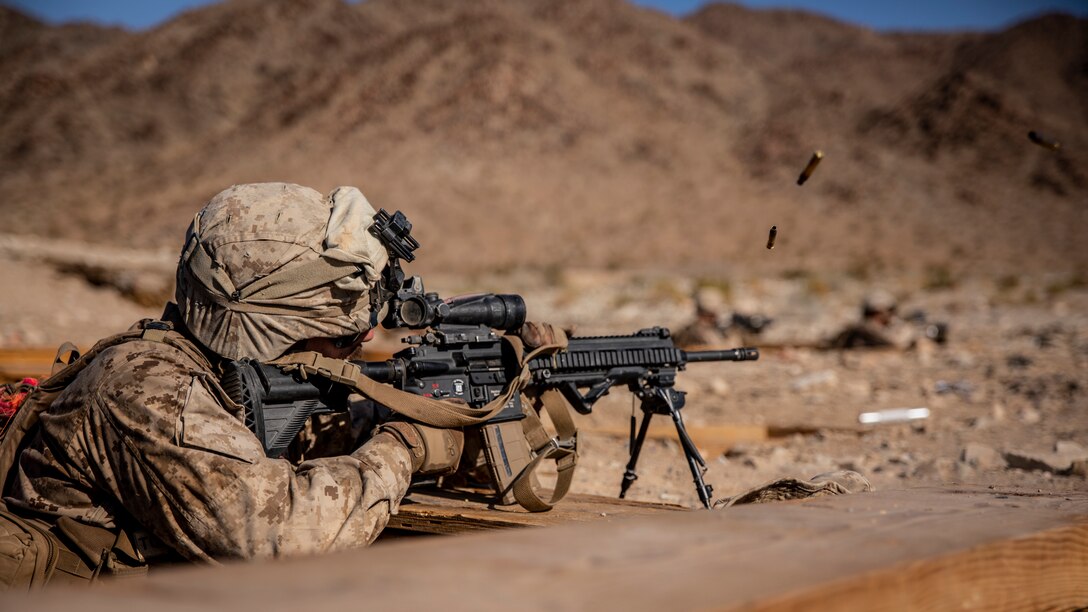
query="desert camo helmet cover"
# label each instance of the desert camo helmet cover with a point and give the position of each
(709, 300)
(269, 264)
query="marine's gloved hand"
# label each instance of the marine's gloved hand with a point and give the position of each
(535, 334)
(434, 451)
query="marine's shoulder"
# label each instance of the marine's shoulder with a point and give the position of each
(130, 377)
(144, 358)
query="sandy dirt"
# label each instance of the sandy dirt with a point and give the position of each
(603, 160)
(1006, 393)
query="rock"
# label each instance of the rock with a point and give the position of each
(962, 388)
(824, 462)
(780, 457)
(1029, 416)
(1068, 448)
(738, 450)
(924, 351)
(1079, 468)
(998, 412)
(719, 387)
(858, 387)
(926, 468)
(962, 359)
(1039, 462)
(1017, 360)
(901, 459)
(941, 469)
(823, 378)
(853, 465)
(982, 457)
(982, 422)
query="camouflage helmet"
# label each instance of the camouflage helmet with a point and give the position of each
(269, 264)
(709, 300)
(878, 302)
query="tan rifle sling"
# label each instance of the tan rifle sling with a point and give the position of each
(563, 448)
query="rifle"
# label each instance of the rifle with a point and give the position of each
(460, 356)
(469, 362)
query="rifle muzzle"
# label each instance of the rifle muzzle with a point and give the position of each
(737, 354)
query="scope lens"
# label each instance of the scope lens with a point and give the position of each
(411, 312)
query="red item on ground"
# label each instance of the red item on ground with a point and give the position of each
(12, 396)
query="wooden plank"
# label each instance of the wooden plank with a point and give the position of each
(16, 364)
(448, 513)
(963, 548)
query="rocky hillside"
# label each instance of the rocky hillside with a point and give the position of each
(556, 133)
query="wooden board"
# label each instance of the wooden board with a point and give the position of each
(932, 549)
(16, 364)
(441, 513)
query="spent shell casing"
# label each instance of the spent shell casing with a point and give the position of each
(811, 167)
(894, 415)
(771, 236)
(1044, 141)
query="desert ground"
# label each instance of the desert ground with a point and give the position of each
(604, 161)
(1007, 393)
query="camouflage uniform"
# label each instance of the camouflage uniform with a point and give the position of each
(880, 326)
(145, 438)
(896, 334)
(709, 328)
(701, 333)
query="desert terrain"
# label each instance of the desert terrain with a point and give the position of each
(1006, 393)
(604, 161)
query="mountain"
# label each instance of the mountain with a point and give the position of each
(554, 133)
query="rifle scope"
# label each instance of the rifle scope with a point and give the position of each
(498, 311)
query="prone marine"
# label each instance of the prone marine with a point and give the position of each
(140, 458)
(135, 456)
(881, 326)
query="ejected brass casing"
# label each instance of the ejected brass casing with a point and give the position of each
(772, 236)
(1043, 141)
(811, 167)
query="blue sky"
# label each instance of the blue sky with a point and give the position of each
(877, 14)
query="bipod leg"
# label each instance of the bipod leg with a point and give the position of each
(629, 475)
(691, 453)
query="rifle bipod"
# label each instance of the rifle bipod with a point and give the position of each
(666, 401)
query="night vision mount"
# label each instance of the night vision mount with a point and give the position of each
(395, 233)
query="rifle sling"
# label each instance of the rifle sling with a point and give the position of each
(563, 449)
(426, 410)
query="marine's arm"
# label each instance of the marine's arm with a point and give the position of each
(192, 473)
